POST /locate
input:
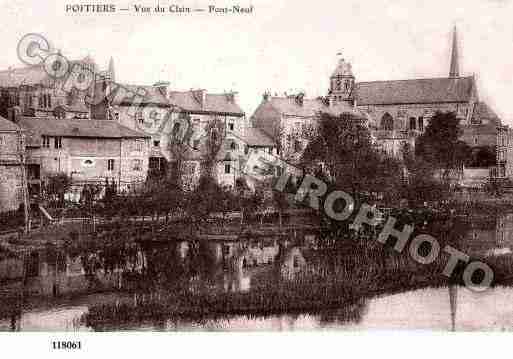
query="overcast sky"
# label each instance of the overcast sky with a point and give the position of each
(284, 45)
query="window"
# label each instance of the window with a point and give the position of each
(137, 165)
(475, 140)
(138, 145)
(226, 250)
(246, 149)
(297, 146)
(110, 165)
(296, 262)
(347, 85)
(413, 123)
(46, 141)
(230, 126)
(421, 123)
(233, 146)
(156, 143)
(116, 116)
(57, 142)
(139, 117)
(387, 122)
(227, 168)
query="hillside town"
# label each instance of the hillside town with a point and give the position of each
(47, 130)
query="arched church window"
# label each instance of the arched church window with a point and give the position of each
(413, 123)
(347, 85)
(421, 123)
(387, 122)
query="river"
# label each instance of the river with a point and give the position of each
(54, 290)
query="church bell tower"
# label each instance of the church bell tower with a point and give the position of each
(342, 84)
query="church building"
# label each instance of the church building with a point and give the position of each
(397, 111)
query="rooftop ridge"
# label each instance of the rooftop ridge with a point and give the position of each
(417, 79)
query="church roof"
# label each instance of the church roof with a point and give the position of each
(30, 75)
(190, 101)
(33, 75)
(435, 90)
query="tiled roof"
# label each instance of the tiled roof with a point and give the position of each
(434, 90)
(150, 96)
(30, 75)
(256, 137)
(289, 106)
(7, 126)
(485, 114)
(76, 107)
(213, 103)
(39, 126)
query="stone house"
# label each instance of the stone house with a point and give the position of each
(142, 108)
(204, 112)
(89, 151)
(12, 149)
(287, 120)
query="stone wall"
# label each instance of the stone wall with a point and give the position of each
(11, 190)
(401, 114)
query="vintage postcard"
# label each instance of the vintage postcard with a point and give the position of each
(178, 166)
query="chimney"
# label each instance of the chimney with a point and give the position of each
(232, 97)
(162, 87)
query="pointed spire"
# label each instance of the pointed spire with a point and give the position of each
(455, 66)
(112, 72)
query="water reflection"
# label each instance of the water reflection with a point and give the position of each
(55, 288)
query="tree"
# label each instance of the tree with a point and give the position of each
(440, 145)
(342, 150)
(215, 135)
(179, 148)
(481, 156)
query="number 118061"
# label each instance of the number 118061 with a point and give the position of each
(66, 345)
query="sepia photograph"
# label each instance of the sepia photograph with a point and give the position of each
(256, 166)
